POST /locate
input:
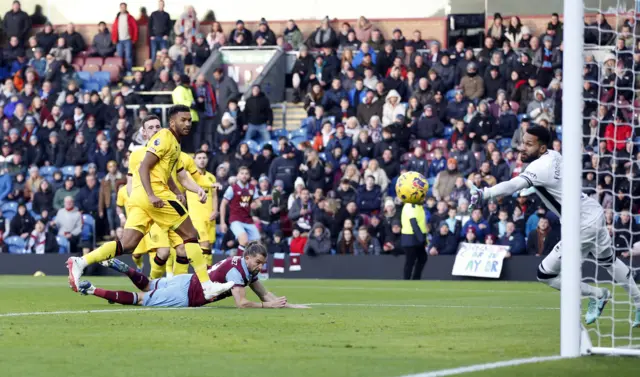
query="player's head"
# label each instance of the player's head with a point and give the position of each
(151, 124)
(534, 143)
(180, 119)
(201, 159)
(255, 255)
(243, 174)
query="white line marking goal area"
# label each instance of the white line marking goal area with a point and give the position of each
(483, 367)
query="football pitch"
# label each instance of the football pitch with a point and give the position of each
(355, 328)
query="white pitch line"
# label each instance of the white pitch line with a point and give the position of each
(100, 311)
(483, 367)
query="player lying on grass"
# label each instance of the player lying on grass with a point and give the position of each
(544, 174)
(185, 290)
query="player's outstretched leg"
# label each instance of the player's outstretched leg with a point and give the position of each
(120, 297)
(622, 275)
(108, 250)
(137, 278)
(596, 306)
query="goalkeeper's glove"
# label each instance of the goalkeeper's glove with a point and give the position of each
(476, 198)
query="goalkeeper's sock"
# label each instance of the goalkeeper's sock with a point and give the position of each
(622, 276)
(137, 259)
(120, 297)
(105, 252)
(208, 257)
(194, 253)
(181, 266)
(157, 266)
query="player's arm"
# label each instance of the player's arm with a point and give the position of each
(226, 197)
(149, 161)
(187, 182)
(507, 188)
(214, 204)
(269, 298)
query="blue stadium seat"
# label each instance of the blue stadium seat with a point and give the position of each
(276, 134)
(332, 119)
(47, 171)
(322, 156)
(107, 134)
(448, 131)
(520, 118)
(304, 123)
(63, 245)
(273, 143)
(297, 133)
(450, 95)
(559, 132)
(84, 76)
(90, 86)
(88, 228)
(102, 78)
(85, 168)
(254, 147)
(298, 140)
(504, 143)
(68, 170)
(15, 244)
(9, 209)
(637, 219)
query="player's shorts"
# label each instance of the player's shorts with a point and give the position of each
(238, 228)
(595, 241)
(142, 247)
(206, 230)
(159, 238)
(170, 292)
(142, 214)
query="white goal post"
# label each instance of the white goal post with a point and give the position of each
(613, 334)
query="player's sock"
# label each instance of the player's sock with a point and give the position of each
(623, 277)
(208, 257)
(121, 297)
(181, 266)
(171, 262)
(139, 280)
(240, 251)
(157, 266)
(107, 251)
(137, 259)
(194, 253)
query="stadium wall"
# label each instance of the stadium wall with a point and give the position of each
(521, 268)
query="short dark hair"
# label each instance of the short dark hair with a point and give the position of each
(150, 118)
(200, 151)
(178, 109)
(243, 168)
(543, 134)
(255, 248)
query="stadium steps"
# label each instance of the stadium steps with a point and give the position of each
(294, 116)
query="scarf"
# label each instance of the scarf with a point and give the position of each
(78, 120)
(546, 58)
(289, 31)
(322, 36)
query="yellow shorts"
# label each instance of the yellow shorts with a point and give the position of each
(159, 238)
(142, 246)
(142, 214)
(206, 230)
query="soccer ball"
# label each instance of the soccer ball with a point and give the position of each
(412, 187)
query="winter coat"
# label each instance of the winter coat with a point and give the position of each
(516, 242)
(315, 177)
(318, 245)
(323, 38)
(257, 110)
(501, 171)
(539, 110)
(444, 184)
(6, 186)
(284, 169)
(21, 224)
(367, 110)
(75, 41)
(446, 245)
(370, 247)
(369, 201)
(419, 165)
(428, 127)
(103, 44)
(69, 222)
(46, 41)
(472, 87)
(16, 24)
(483, 125)
(77, 154)
(390, 112)
(159, 24)
(294, 37)
(507, 124)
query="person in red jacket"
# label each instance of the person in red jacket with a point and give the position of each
(617, 133)
(298, 242)
(124, 34)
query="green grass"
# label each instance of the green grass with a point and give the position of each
(356, 328)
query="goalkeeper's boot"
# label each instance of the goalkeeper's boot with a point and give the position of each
(636, 322)
(116, 265)
(86, 288)
(596, 306)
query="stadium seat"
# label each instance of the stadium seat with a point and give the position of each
(430, 156)
(114, 60)
(504, 143)
(84, 76)
(15, 244)
(439, 143)
(114, 72)
(90, 86)
(91, 68)
(88, 229)
(79, 60)
(107, 134)
(451, 95)
(76, 68)
(420, 143)
(298, 133)
(520, 116)
(96, 60)
(9, 209)
(274, 145)
(68, 170)
(276, 134)
(406, 157)
(637, 219)
(448, 131)
(63, 245)
(47, 171)
(102, 78)
(254, 147)
(298, 140)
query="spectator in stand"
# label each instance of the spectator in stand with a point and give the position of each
(446, 180)
(159, 29)
(392, 107)
(324, 36)
(225, 88)
(68, 221)
(365, 244)
(206, 106)
(543, 239)
(369, 196)
(617, 133)
(77, 153)
(69, 189)
(483, 127)
(200, 51)
(73, 39)
(22, 223)
(265, 33)
(187, 25)
(514, 239)
(301, 211)
(466, 161)
(17, 23)
(293, 35)
(62, 52)
(478, 223)
(258, 115)
(47, 38)
(102, 44)
(283, 168)
(43, 198)
(107, 196)
(444, 242)
(319, 241)
(418, 163)
(472, 84)
(125, 35)
(240, 30)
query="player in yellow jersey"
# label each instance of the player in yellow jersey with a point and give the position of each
(204, 214)
(155, 201)
(121, 207)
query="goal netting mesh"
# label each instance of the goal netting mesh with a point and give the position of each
(611, 141)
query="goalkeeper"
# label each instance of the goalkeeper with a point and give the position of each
(544, 174)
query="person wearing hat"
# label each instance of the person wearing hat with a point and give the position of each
(472, 85)
(443, 242)
(69, 189)
(446, 180)
(34, 154)
(547, 59)
(398, 40)
(102, 44)
(284, 168)
(183, 94)
(200, 50)
(266, 33)
(47, 37)
(159, 29)
(124, 37)
(53, 151)
(240, 30)
(15, 141)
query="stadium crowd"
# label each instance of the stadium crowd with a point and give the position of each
(377, 105)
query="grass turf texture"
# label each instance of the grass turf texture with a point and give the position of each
(358, 328)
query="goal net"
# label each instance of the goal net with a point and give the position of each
(610, 78)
